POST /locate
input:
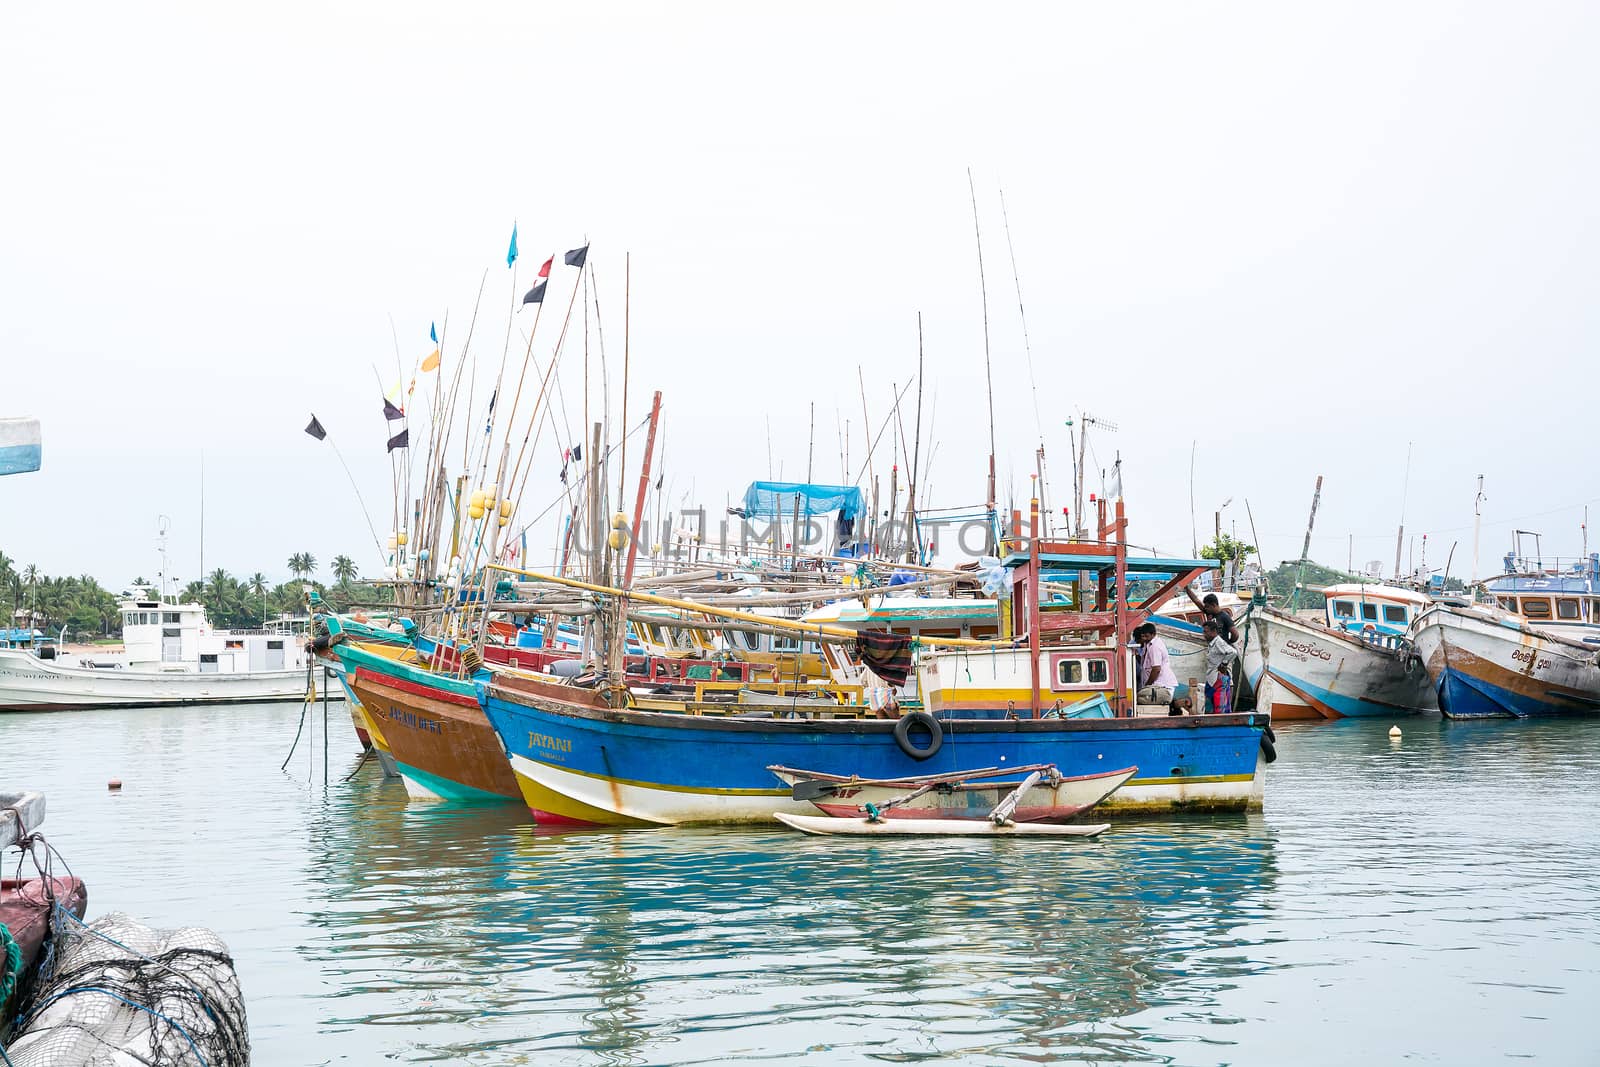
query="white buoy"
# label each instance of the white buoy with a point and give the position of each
(1394, 732)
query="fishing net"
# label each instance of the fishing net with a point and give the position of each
(119, 994)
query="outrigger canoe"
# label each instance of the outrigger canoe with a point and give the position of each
(828, 825)
(956, 795)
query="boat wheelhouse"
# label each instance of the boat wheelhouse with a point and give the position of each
(1375, 612)
(1559, 596)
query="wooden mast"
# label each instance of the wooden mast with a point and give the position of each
(644, 484)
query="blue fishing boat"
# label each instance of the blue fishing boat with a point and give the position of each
(577, 763)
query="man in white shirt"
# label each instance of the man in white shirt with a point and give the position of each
(1156, 680)
(1219, 666)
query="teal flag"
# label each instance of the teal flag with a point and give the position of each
(511, 253)
(433, 333)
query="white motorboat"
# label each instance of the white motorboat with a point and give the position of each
(172, 656)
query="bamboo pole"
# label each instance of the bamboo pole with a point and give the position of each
(727, 613)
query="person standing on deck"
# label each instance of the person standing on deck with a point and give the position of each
(1219, 659)
(1156, 680)
(1213, 609)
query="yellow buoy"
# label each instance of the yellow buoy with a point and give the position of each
(618, 521)
(403, 537)
(475, 511)
(505, 510)
(615, 540)
(1394, 732)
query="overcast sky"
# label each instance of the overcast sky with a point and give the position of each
(1297, 237)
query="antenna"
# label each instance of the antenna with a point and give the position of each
(1477, 524)
(163, 524)
(1085, 420)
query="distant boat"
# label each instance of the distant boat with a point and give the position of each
(172, 656)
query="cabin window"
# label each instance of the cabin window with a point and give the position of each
(170, 616)
(1536, 607)
(750, 642)
(1369, 612)
(1069, 672)
(208, 657)
(131, 619)
(1509, 603)
(1394, 613)
(1594, 611)
(233, 644)
(1567, 608)
(275, 644)
(171, 631)
(1345, 608)
(1098, 672)
(785, 644)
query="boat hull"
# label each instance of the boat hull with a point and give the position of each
(583, 765)
(28, 683)
(435, 730)
(1490, 665)
(1301, 671)
(25, 910)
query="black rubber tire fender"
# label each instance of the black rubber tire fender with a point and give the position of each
(1268, 749)
(902, 734)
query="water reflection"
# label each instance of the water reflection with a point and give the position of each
(708, 946)
(1431, 898)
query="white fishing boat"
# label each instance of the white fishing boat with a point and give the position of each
(1354, 662)
(171, 656)
(1488, 663)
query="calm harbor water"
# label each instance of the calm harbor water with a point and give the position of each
(1433, 900)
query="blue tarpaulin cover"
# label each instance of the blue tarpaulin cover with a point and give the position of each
(777, 499)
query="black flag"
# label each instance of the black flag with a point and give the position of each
(391, 412)
(315, 429)
(535, 295)
(576, 257)
(400, 440)
(577, 452)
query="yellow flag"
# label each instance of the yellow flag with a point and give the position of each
(431, 361)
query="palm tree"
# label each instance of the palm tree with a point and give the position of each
(30, 574)
(256, 584)
(302, 564)
(344, 569)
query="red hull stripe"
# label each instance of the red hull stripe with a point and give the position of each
(414, 688)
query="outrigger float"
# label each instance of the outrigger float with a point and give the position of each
(822, 825)
(1048, 796)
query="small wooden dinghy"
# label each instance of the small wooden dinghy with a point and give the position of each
(828, 825)
(956, 795)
